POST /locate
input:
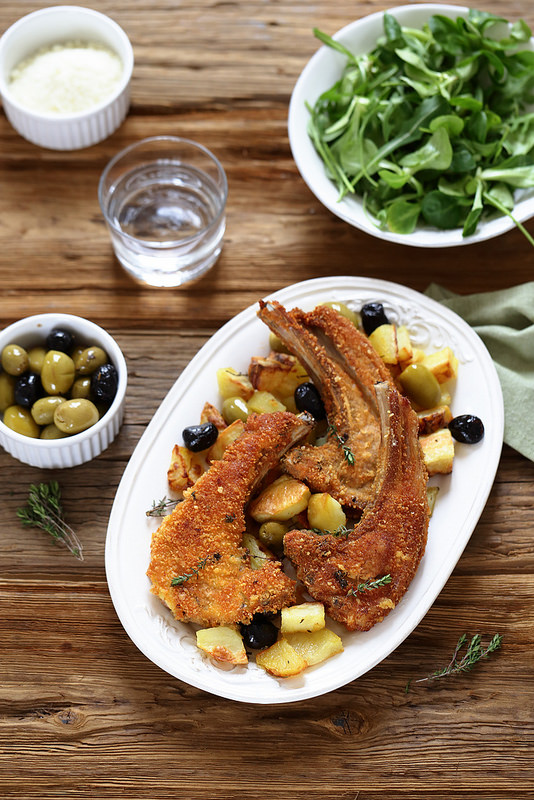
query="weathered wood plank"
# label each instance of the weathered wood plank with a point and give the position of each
(83, 713)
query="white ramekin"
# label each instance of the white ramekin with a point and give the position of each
(81, 447)
(45, 28)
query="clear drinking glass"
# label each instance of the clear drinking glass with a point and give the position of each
(164, 201)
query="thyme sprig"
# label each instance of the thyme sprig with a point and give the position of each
(44, 510)
(180, 579)
(341, 532)
(368, 585)
(474, 653)
(347, 452)
(162, 507)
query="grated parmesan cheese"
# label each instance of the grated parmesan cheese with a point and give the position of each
(66, 78)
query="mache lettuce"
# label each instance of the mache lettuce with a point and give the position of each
(433, 124)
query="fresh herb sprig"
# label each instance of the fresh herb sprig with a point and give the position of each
(347, 452)
(369, 585)
(181, 579)
(44, 510)
(433, 123)
(162, 507)
(340, 533)
(474, 653)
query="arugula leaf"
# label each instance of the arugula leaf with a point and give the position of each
(447, 103)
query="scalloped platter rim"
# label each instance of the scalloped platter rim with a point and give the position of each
(171, 644)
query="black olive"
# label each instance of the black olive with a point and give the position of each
(373, 315)
(467, 428)
(104, 382)
(28, 389)
(307, 398)
(59, 339)
(260, 633)
(200, 437)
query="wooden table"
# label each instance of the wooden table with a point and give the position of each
(84, 713)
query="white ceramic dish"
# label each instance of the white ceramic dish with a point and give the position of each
(321, 72)
(171, 644)
(47, 27)
(81, 447)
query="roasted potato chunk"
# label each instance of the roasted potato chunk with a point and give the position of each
(264, 403)
(393, 345)
(211, 414)
(222, 643)
(325, 513)
(404, 346)
(279, 374)
(232, 383)
(281, 660)
(316, 646)
(433, 419)
(443, 364)
(438, 452)
(226, 437)
(306, 617)
(259, 554)
(284, 498)
(384, 341)
(185, 468)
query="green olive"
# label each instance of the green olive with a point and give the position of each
(276, 344)
(74, 416)
(420, 385)
(90, 359)
(81, 388)
(15, 359)
(76, 353)
(7, 390)
(57, 374)
(271, 534)
(345, 311)
(36, 357)
(52, 432)
(21, 421)
(43, 409)
(234, 408)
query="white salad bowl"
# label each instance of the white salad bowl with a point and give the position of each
(55, 26)
(80, 447)
(322, 71)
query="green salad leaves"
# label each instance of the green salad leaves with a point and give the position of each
(434, 124)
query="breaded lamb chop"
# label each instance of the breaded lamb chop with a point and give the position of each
(390, 538)
(202, 538)
(344, 367)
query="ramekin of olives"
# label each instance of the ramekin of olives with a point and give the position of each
(62, 389)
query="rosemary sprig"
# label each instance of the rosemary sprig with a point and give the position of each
(347, 452)
(370, 584)
(180, 579)
(473, 654)
(341, 532)
(162, 507)
(44, 510)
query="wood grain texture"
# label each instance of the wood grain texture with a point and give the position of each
(82, 712)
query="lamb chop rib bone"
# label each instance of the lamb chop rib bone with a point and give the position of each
(344, 368)
(390, 538)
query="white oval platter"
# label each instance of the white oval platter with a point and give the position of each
(461, 499)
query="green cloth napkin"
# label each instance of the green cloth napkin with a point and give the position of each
(504, 320)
